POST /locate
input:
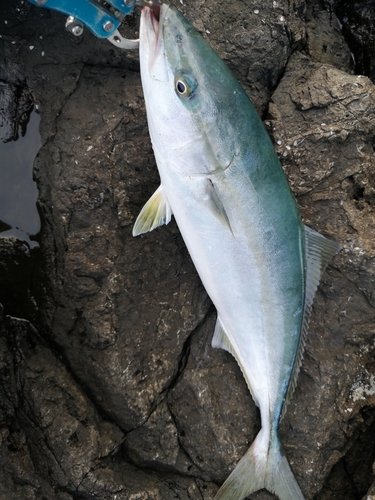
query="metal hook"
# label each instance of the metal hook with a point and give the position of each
(123, 43)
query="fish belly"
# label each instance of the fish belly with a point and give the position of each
(253, 277)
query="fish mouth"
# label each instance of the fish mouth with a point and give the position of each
(151, 45)
(155, 11)
(151, 17)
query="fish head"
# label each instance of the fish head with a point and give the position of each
(192, 98)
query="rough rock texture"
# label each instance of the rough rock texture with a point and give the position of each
(109, 386)
(324, 117)
(358, 26)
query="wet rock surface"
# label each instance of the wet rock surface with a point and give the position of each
(109, 386)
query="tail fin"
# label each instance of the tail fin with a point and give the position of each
(263, 466)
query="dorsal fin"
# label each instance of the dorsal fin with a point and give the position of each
(156, 212)
(319, 251)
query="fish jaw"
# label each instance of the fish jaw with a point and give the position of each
(152, 44)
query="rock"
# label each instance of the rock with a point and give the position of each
(51, 420)
(155, 444)
(109, 385)
(324, 39)
(108, 309)
(358, 27)
(51, 433)
(15, 102)
(57, 417)
(16, 267)
(370, 495)
(255, 41)
(216, 422)
(328, 156)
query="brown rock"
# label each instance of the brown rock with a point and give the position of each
(323, 134)
(111, 388)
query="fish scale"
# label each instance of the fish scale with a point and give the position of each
(223, 182)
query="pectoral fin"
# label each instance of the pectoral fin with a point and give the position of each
(216, 206)
(156, 212)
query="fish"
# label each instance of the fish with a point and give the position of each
(222, 181)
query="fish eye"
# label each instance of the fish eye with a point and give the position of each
(181, 87)
(185, 86)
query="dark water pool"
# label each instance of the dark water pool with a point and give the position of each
(18, 192)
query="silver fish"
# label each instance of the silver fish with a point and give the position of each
(222, 180)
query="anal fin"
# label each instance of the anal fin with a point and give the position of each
(221, 340)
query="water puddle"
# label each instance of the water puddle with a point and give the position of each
(19, 216)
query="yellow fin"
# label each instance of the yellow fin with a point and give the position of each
(156, 212)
